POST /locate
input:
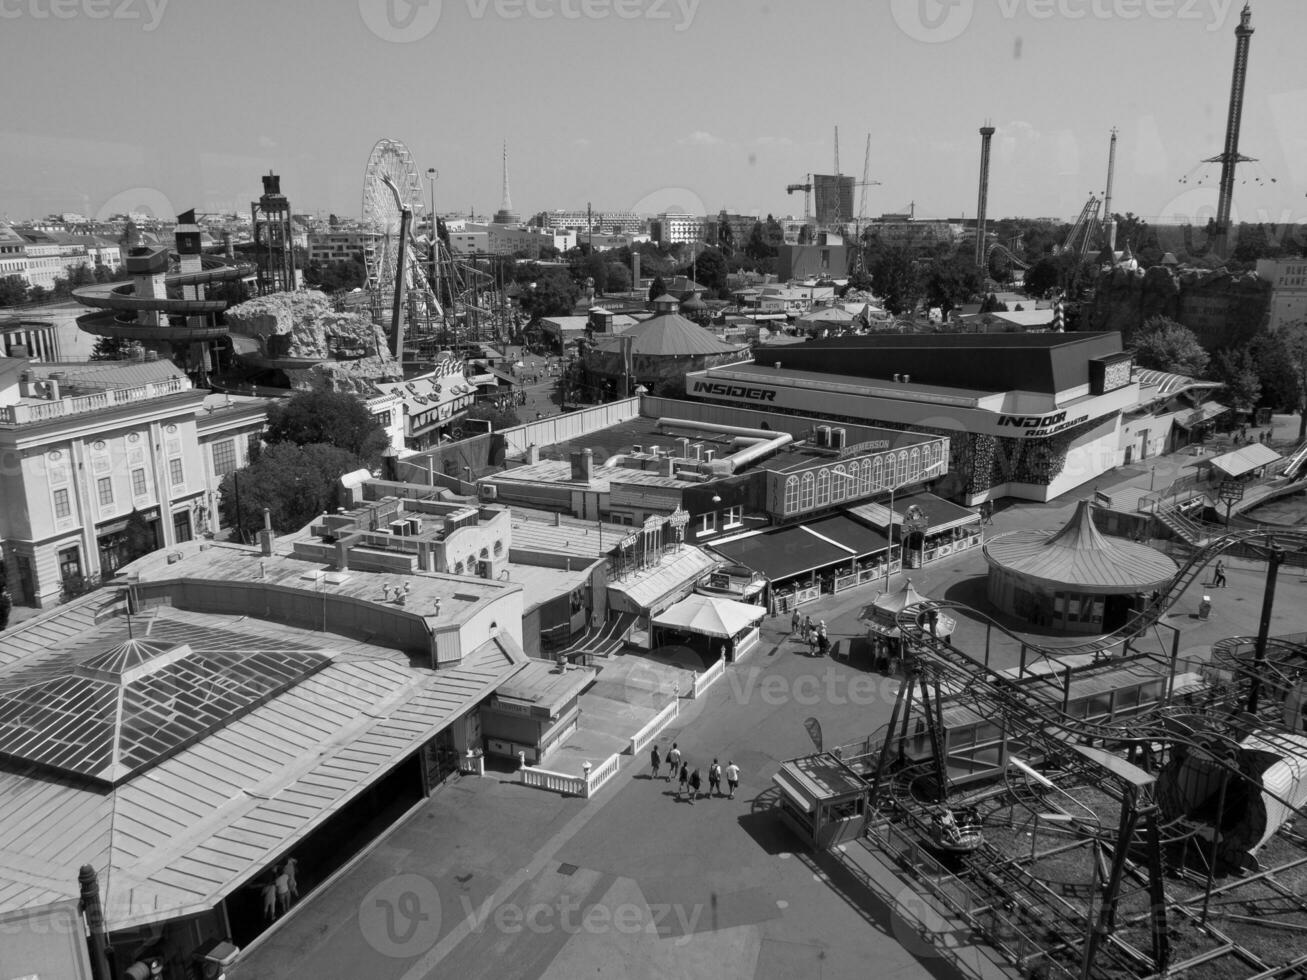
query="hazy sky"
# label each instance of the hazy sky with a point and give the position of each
(646, 104)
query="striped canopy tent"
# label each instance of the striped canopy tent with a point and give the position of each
(888, 605)
(1080, 557)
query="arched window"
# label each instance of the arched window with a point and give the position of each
(841, 490)
(823, 487)
(903, 466)
(891, 471)
(458, 569)
(791, 495)
(806, 494)
(864, 478)
(914, 464)
(485, 552)
(877, 475)
(499, 548)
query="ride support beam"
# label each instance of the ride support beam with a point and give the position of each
(1273, 561)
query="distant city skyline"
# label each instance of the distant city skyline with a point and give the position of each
(649, 105)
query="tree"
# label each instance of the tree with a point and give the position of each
(992, 304)
(112, 349)
(1237, 370)
(329, 417)
(499, 418)
(897, 281)
(332, 277)
(13, 291)
(1164, 345)
(1275, 372)
(725, 234)
(708, 269)
(619, 278)
(657, 288)
(950, 282)
(552, 294)
(1294, 339)
(37, 294)
(1042, 277)
(295, 483)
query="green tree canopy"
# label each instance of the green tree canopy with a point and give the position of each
(552, 294)
(332, 277)
(1294, 341)
(335, 418)
(708, 269)
(295, 483)
(1237, 370)
(950, 282)
(13, 291)
(897, 281)
(1165, 345)
(657, 288)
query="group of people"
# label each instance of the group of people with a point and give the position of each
(813, 632)
(689, 781)
(280, 890)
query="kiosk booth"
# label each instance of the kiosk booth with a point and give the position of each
(822, 799)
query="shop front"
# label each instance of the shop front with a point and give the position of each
(127, 538)
(930, 527)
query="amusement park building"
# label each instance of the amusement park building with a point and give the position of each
(1028, 415)
(86, 445)
(265, 712)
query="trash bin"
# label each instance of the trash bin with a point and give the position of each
(1205, 607)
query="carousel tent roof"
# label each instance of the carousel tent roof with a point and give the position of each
(668, 335)
(1082, 557)
(710, 615)
(890, 604)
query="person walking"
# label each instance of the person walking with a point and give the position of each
(732, 777)
(715, 779)
(823, 640)
(269, 892)
(673, 762)
(1218, 579)
(684, 780)
(695, 783)
(292, 865)
(812, 640)
(656, 761)
(795, 622)
(282, 884)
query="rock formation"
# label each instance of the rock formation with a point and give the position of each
(1223, 309)
(302, 327)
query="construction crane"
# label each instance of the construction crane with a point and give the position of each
(864, 184)
(806, 187)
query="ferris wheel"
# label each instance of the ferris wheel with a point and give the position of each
(390, 186)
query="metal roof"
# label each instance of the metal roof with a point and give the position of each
(214, 815)
(1243, 460)
(677, 570)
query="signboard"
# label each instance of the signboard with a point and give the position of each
(868, 403)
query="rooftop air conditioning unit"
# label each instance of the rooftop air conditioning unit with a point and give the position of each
(488, 491)
(400, 528)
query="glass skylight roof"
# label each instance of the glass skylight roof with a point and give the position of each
(111, 715)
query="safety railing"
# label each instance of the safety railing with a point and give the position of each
(709, 677)
(605, 771)
(559, 782)
(641, 739)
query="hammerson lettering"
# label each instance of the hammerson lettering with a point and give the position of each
(735, 391)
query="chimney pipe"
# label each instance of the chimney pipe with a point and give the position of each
(93, 912)
(266, 536)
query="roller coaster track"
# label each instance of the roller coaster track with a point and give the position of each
(1030, 715)
(1007, 253)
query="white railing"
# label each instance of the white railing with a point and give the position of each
(559, 782)
(656, 724)
(605, 771)
(473, 764)
(709, 677)
(44, 411)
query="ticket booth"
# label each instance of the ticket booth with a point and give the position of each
(822, 800)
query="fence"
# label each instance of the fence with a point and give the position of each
(605, 771)
(655, 725)
(559, 782)
(585, 785)
(572, 425)
(709, 677)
